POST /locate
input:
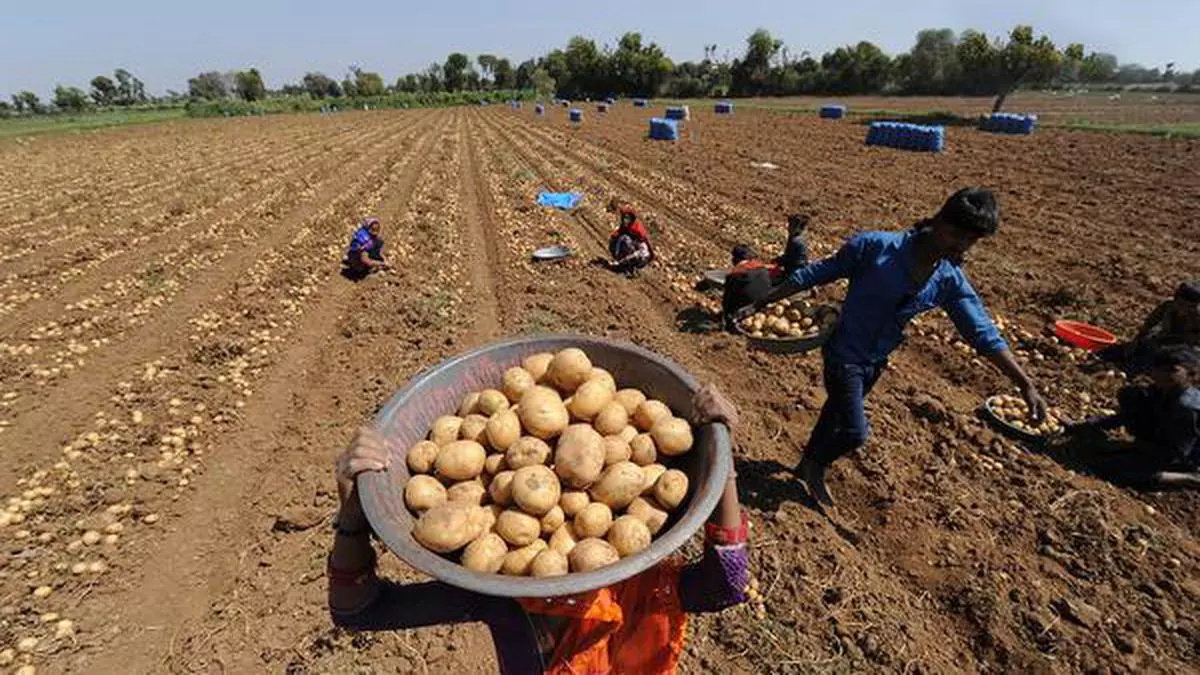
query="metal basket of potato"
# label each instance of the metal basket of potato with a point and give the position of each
(1010, 414)
(789, 326)
(545, 466)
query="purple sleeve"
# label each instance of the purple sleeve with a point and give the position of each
(717, 581)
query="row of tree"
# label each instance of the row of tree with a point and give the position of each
(941, 62)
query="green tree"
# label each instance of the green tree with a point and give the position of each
(27, 102)
(6, 110)
(130, 90)
(208, 86)
(503, 76)
(542, 83)
(586, 68)
(104, 90)
(431, 79)
(638, 69)
(454, 72)
(408, 84)
(1098, 67)
(349, 87)
(932, 66)
(320, 85)
(487, 65)
(999, 68)
(367, 83)
(752, 73)
(72, 99)
(860, 69)
(249, 85)
(524, 75)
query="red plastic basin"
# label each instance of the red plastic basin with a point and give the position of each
(1084, 335)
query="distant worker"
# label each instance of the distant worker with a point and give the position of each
(365, 253)
(894, 276)
(1174, 322)
(748, 282)
(1164, 420)
(629, 244)
(795, 253)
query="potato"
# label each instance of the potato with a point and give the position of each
(602, 375)
(542, 413)
(449, 527)
(500, 488)
(527, 451)
(628, 535)
(445, 429)
(642, 450)
(421, 456)
(518, 528)
(468, 492)
(563, 539)
(589, 399)
(470, 405)
(648, 413)
(503, 429)
(579, 456)
(460, 460)
(548, 563)
(593, 520)
(517, 562)
(535, 489)
(629, 399)
(473, 428)
(618, 485)
(651, 473)
(485, 554)
(573, 501)
(616, 450)
(629, 433)
(672, 436)
(494, 464)
(422, 493)
(568, 369)
(537, 365)
(592, 554)
(648, 512)
(611, 420)
(516, 381)
(553, 520)
(492, 401)
(671, 488)
(488, 516)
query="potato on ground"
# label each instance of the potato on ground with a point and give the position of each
(568, 369)
(445, 429)
(515, 383)
(526, 451)
(592, 554)
(553, 520)
(543, 413)
(563, 539)
(537, 365)
(517, 562)
(518, 528)
(468, 492)
(629, 399)
(642, 451)
(473, 428)
(590, 398)
(485, 554)
(549, 563)
(593, 520)
(651, 473)
(535, 489)
(611, 420)
(616, 450)
(422, 493)
(573, 501)
(420, 457)
(672, 436)
(649, 513)
(503, 429)
(449, 527)
(649, 412)
(460, 460)
(629, 535)
(618, 485)
(671, 488)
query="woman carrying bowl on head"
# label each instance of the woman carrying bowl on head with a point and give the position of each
(635, 626)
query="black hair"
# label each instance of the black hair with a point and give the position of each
(1177, 355)
(1188, 291)
(973, 209)
(797, 222)
(742, 252)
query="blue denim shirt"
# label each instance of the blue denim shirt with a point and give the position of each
(882, 298)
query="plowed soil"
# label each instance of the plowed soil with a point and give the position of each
(181, 361)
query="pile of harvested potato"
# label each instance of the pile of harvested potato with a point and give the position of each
(526, 483)
(783, 320)
(1014, 411)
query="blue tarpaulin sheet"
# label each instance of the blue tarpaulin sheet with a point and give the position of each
(559, 200)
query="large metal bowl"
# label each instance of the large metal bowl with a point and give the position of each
(407, 417)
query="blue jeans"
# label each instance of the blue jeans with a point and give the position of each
(843, 427)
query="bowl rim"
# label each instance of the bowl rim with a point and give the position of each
(371, 487)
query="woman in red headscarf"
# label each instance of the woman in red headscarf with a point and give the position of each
(629, 244)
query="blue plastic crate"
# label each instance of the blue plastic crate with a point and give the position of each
(1010, 123)
(539, 109)
(723, 108)
(832, 112)
(640, 103)
(575, 115)
(677, 113)
(662, 129)
(907, 136)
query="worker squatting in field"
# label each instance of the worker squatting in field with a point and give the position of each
(364, 254)
(1173, 322)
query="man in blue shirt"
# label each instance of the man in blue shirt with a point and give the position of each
(365, 252)
(895, 276)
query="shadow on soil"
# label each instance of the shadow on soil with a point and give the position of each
(766, 485)
(939, 118)
(696, 321)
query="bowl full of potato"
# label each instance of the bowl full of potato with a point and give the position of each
(544, 466)
(1011, 415)
(789, 326)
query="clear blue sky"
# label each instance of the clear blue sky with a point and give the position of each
(165, 42)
